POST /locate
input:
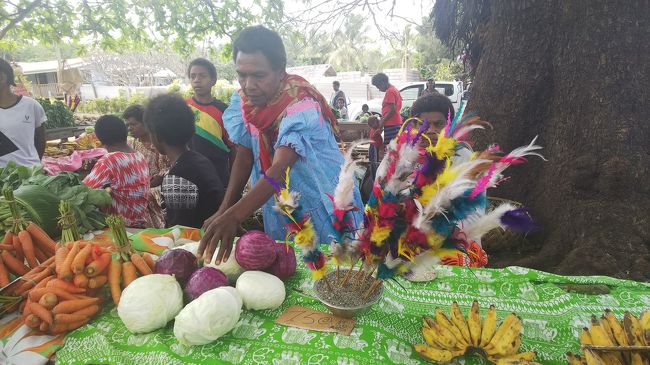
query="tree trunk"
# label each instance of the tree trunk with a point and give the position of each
(576, 74)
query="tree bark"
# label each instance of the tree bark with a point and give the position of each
(576, 74)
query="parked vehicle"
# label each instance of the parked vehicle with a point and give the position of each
(452, 89)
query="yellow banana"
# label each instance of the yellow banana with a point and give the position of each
(526, 356)
(474, 324)
(443, 321)
(507, 322)
(637, 359)
(632, 329)
(608, 330)
(592, 358)
(574, 359)
(489, 326)
(644, 321)
(598, 334)
(616, 328)
(460, 322)
(428, 337)
(434, 354)
(585, 337)
(509, 342)
(442, 337)
(514, 362)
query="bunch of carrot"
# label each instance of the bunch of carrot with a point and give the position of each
(24, 246)
(70, 295)
(125, 263)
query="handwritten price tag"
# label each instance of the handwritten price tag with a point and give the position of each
(301, 317)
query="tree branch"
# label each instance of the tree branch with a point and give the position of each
(21, 14)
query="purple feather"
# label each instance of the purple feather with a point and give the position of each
(277, 187)
(423, 128)
(519, 220)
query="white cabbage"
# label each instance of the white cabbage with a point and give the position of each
(149, 302)
(208, 317)
(260, 290)
(231, 267)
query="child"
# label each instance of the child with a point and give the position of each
(340, 106)
(123, 170)
(436, 108)
(376, 141)
(191, 189)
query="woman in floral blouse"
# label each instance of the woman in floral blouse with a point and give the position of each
(122, 170)
(158, 164)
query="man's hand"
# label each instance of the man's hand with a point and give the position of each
(220, 229)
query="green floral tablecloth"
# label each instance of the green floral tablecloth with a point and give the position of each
(551, 316)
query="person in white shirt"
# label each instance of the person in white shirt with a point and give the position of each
(337, 95)
(22, 133)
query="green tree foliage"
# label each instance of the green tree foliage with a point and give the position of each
(125, 24)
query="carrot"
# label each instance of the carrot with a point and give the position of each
(59, 257)
(41, 239)
(9, 247)
(36, 294)
(71, 306)
(28, 248)
(97, 281)
(32, 321)
(42, 283)
(66, 269)
(4, 274)
(149, 260)
(88, 311)
(128, 273)
(79, 262)
(140, 264)
(81, 244)
(40, 255)
(27, 307)
(43, 327)
(49, 300)
(80, 280)
(18, 248)
(114, 274)
(13, 264)
(65, 285)
(98, 266)
(31, 282)
(68, 318)
(58, 328)
(8, 239)
(41, 312)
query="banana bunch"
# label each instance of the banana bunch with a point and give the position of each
(608, 331)
(449, 337)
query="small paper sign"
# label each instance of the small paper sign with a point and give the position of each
(301, 317)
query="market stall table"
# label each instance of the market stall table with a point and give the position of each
(552, 319)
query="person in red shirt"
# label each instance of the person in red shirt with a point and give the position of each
(391, 120)
(211, 138)
(123, 170)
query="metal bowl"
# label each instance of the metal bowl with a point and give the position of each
(348, 312)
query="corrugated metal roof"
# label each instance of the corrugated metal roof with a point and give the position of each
(30, 68)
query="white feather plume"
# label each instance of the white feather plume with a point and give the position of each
(454, 189)
(476, 226)
(404, 168)
(344, 192)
